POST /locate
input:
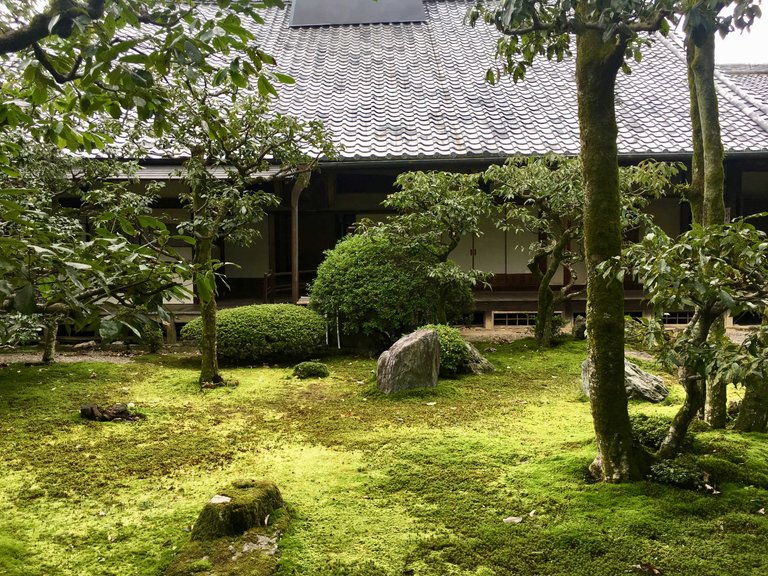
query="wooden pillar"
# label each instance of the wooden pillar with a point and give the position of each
(302, 181)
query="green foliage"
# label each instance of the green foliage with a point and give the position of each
(252, 334)
(649, 431)
(683, 472)
(381, 289)
(454, 354)
(712, 269)
(17, 329)
(107, 262)
(77, 60)
(533, 29)
(310, 369)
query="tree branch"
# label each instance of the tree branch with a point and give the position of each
(40, 26)
(60, 78)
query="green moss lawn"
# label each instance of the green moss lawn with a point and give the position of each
(411, 485)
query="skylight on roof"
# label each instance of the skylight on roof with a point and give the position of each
(340, 12)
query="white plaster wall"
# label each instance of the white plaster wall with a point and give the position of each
(462, 254)
(253, 261)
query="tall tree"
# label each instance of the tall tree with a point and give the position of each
(703, 20)
(232, 142)
(545, 197)
(607, 33)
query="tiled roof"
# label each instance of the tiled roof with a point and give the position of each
(391, 91)
(418, 90)
(751, 81)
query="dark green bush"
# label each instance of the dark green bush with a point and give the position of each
(683, 471)
(380, 289)
(454, 353)
(649, 431)
(310, 370)
(261, 332)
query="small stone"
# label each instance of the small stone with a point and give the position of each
(220, 499)
(84, 345)
(513, 519)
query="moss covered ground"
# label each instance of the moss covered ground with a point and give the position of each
(407, 485)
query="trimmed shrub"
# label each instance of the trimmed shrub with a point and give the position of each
(310, 370)
(261, 332)
(380, 289)
(454, 353)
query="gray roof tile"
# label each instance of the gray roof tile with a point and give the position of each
(418, 90)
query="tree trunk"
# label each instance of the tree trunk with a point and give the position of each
(545, 330)
(51, 327)
(597, 64)
(694, 395)
(753, 415)
(706, 117)
(696, 191)
(209, 368)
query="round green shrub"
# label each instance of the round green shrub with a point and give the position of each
(380, 289)
(310, 370)
(249, 334)
(454, 353)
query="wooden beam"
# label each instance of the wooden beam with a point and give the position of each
(302, 181)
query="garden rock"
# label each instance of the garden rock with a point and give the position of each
(85, 345)
(411, 362)
(478, 364)
(639, 384)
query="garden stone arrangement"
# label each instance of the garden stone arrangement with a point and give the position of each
(411, 362)
(640, 385)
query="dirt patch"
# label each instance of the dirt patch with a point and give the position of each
(32, 357)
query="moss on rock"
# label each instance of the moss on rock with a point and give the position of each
(243, 506)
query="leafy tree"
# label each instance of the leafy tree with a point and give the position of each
(76, 59)
(239, 136)
(544, 196)
(607, 33)
(434, 211)
(713, 269)
(703, 20)
(380, 287)
(105, 263)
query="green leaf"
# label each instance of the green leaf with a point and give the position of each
(284, 78)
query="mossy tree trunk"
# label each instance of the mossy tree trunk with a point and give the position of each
(695, 392)
(710, 178)
(696, 190)
(50, 329)
(753, 415)
(206, 295)
(546, 297)
(597, 64)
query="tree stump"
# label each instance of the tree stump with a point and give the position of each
(237, 509)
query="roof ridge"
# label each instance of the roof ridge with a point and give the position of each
(743, 100)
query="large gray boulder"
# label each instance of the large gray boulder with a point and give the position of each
(640, 385)
(411, 362)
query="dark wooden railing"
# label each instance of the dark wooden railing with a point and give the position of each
(277, 285)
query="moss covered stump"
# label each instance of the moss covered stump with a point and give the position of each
(243, 506)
